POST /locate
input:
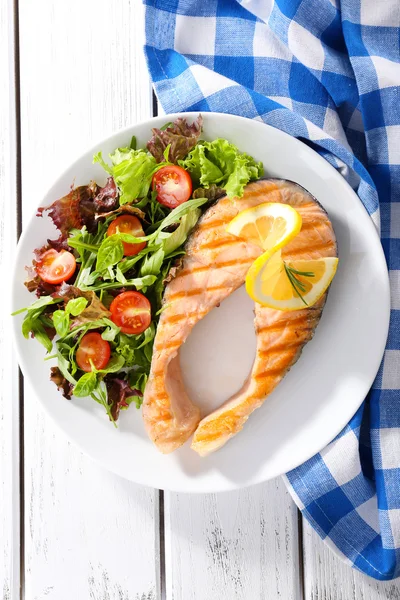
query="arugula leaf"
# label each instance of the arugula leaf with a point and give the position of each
(152, 263)
(36, 323)
(85, 385)
(110, 333)
(172, 241)
(138, 282)
(64, 366)
(119, 276)
(181, 210)
(148, 352)
(87, 245)
(148, 335)
(100, 395)
(40, 303)
(39, 333)
(129, 262)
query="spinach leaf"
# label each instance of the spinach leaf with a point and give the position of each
(76, 306)
(114, 365)
(61, 322)
(85, 385)
(110, 253)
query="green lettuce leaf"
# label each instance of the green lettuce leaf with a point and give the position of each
(132, 171)
(220, 162)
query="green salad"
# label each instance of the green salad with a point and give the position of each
(99, 285)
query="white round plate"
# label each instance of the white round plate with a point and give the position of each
(314, 401)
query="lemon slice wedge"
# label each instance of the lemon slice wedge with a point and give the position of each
(271, 225)
(289, 285)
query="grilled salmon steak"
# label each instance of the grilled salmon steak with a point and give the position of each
(215, 265)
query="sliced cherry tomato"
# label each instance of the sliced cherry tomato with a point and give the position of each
(128, 224)
(131, 311)
(173, 186)
(93, 348)
(55, 267)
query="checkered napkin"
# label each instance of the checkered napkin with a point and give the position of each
(327, 72)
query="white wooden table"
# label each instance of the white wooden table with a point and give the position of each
(72, 72)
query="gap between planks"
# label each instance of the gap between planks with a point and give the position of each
(21, 428)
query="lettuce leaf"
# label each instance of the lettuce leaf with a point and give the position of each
(120, 394)
(73, 210)
(64, 386)
(132, 171)
(221, 163)
(179, 136)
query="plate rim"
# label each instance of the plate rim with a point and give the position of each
(229, 484)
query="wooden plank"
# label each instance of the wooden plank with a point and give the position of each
(327, 577)
(88, 533)
(235, 545)
(9, 395)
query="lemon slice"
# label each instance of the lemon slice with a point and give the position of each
(289, 285)
(270, 225)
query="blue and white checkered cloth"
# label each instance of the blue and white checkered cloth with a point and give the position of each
(326, 71)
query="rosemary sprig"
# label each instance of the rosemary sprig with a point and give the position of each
(298, 286)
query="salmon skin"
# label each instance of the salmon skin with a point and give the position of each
(215, 265)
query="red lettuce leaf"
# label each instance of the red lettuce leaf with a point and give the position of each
(94, 310)
(212, 193)
(64, 386)
(106, 198)
(74, 210)
(181, 137)
(34, 283)
(126, 209)
(118, 390)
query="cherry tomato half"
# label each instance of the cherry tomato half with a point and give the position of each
(128, 224)
(131, 311)
(173, 186)
(93, 348)
(55, 267)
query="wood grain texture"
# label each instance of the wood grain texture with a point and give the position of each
(88, 534)
(239, 545)
(9, 397)
(327, 577)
